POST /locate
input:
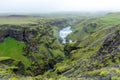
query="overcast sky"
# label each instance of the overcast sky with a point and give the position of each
(43, 6)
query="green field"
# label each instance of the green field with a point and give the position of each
(17, 20)
(14, 49)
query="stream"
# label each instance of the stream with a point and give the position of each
(64, 33)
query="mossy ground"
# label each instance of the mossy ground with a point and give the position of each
(81, 62)
(14, 49)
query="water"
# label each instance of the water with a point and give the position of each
(64, 33)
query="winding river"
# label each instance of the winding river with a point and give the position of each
(64, 33)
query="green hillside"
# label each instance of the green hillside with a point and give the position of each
(89, 26)
(98, 43)
(14, 49)
(35, 51)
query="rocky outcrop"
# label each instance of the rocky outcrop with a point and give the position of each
(12, 64)
(111, 46)
(108, 53)
(18, 32)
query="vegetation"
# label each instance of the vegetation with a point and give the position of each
(36, 52)
(17, 20)
(14, 49)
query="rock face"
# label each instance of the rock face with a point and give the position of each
(110, 47)
(13, 65)
(108, 53)
(17, 32)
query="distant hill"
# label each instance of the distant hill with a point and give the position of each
(17, 16)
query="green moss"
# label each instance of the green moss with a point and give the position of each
(115, 78)
(13, 49)
(4, 58)
(93, 73)
(60, 68)
(13, 78)
(104, 73)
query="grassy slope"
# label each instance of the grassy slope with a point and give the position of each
(89, 46)
(103, 22)
(14, 49)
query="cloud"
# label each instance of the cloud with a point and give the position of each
(33, 6)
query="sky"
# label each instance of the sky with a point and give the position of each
(48, 6)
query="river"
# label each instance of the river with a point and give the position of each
(64, 33)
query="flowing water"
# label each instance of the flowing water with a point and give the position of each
(64, 33)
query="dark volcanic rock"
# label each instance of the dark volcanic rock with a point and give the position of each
(19, 33)
(7, 63)
(108, 53)
(110, 46)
